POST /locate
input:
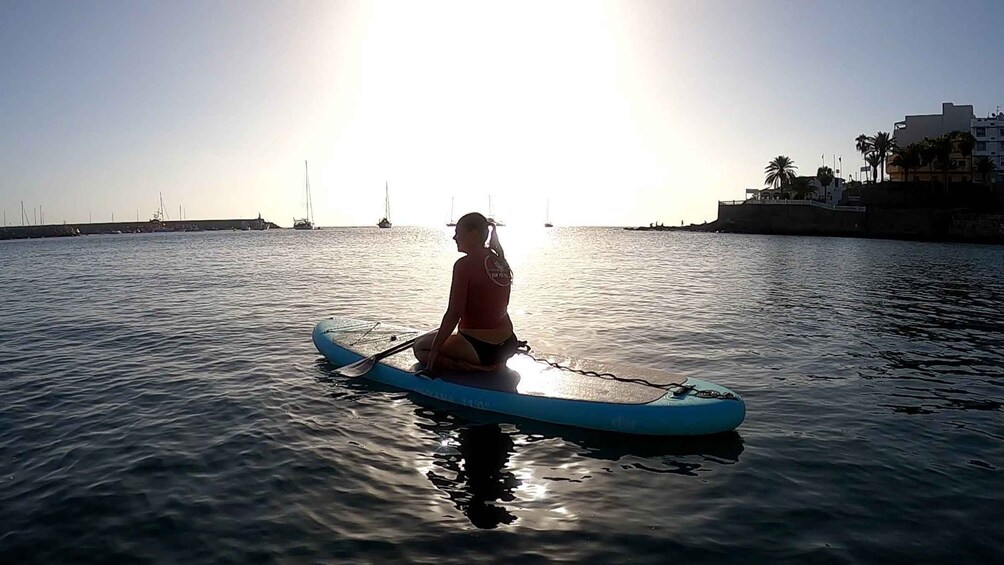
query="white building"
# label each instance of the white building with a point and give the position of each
(830, 194)
(989, 134)
(914, 129)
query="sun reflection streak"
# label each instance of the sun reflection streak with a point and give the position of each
(447, 445)
(530, 489)
(535, 378)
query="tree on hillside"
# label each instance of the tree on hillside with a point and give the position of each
(824, 175)
(966, 143)
(907, 158)
(985, 167)
(874, 160)
(863, 144)
(780, 171)
(882, 144)
(926, 150)
(941, 151)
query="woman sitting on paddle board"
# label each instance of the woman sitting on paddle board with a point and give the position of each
(479, 301)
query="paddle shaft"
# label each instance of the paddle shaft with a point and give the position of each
(363, 366)
(396, 349)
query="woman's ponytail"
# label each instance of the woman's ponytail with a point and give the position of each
(486, 230)
(496, 247)
(493, 242)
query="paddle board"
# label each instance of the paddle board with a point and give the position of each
(528, 388)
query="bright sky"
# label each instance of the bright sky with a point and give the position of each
(619, 113)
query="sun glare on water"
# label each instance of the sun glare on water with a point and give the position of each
(522, 242)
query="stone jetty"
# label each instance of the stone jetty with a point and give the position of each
(70, 230)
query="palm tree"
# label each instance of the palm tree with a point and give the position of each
(941, 150)
(927, 156)
(985, 167)
(882, 144)
(780, 171)
(906, 158)
(863, 144)
(874, 160)
(966, 143)
(824, 175)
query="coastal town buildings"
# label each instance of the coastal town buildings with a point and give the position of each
(830, 194)
(987, 141)
(913, 129)
(989, 134)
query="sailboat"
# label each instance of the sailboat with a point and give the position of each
(547, 215)
(308, 222)
(491, 213)
(385, 222)
(451, 223)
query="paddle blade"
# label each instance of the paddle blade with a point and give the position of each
(357, 369)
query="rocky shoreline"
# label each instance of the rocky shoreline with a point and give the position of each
(919, 224)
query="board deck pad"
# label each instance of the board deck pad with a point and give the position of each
(522, 375)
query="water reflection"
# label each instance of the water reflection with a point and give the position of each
(472, 464)
(478, 463)
(668, 453)
(474, 474)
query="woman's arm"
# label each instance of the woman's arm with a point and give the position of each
(458, 297)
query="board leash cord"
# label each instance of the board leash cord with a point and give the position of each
(677, 389)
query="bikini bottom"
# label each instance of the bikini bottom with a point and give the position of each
(493, 353)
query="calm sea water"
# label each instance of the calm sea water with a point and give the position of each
(161, 401)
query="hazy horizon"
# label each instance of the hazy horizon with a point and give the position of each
(618, 113)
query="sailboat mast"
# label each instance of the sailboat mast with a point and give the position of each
(306, 182)
(386, 201)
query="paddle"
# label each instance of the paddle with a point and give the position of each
(363, 366)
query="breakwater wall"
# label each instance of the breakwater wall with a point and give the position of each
(791, 219)
(68, 230)
(802, 218)
(31, 232)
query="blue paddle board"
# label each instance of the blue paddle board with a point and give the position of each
(572, 394)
